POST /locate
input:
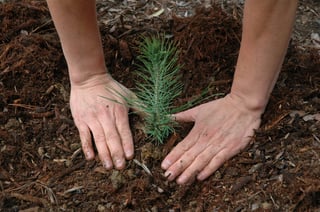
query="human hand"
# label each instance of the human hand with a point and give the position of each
(221, 130)
(107, 120)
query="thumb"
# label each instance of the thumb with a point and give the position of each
(185, 116)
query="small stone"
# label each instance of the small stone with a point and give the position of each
(24, 32)
(69, 163)
(75, 146)
(255, 168)
(217, 175)
(117, 179)
(154, 209)
(109, 205)
(33, 209)
(254, 206)
(315, 36)
(41, 151)
(266, 205)
(160, 190)
(12, 123)
(193, 204)
(101, 208)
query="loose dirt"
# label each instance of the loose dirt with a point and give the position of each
(43, 167)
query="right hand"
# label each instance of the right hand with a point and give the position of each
(222, 128)
(107, 120)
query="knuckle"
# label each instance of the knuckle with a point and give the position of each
(202, 159)
(99, 137)
(126, 135)
(189, 156)
(113, 137)
(184, 146)
(221, 158)
(121, 109)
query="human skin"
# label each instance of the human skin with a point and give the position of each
(222, 128)
(76, 23)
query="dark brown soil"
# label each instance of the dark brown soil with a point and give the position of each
(43, 168)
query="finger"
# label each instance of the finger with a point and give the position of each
(112, 138)
(235, 147)
(199, 135)
(185, 116)
(201, 161)
(193, 170)
(206, 151)
(122, 122)
(180, 165)
(179, 150)
(86, 142)
(215, 163)
(100, 141)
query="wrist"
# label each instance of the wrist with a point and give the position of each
(249, 103)
(83, 65)
(89, 69)
(91, 78)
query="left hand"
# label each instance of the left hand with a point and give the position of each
(106, 120)
(222, 129)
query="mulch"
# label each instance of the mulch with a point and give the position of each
(43, 168)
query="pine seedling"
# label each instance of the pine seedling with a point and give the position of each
(158, 86)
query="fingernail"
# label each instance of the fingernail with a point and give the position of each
(119, 163)
(88, 155)
(182, 180)
(129, 154)
(165, 164)
(201, 177)
(167, 174)
(107, 165)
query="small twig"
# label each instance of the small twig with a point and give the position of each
(62, 147)
(7, 175)
(71, 190)
(42, 25)
(220, 82)
(313, 11)
(37, 112)
(29, 107)
(316, 138)
(28, 185)
(28, 198)
(75, 153)
(66, 172)
(276, 121)
(248, 198)
(241, 183)
(274, 202)
(40, 115)
(52, 196)
(6, 70)
(144, 167)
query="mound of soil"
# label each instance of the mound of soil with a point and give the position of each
(42, 165)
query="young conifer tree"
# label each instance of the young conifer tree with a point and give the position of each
(158, 87)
